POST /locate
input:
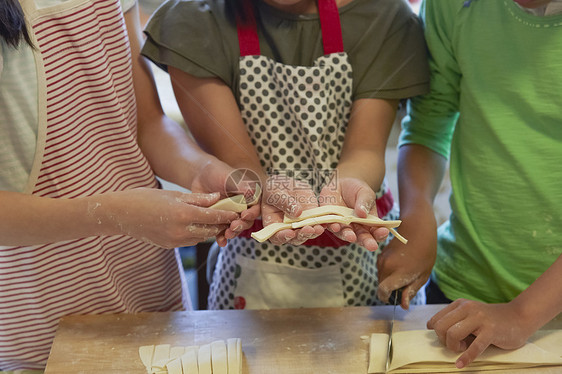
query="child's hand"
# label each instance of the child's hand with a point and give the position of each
(471, 326)
(165, 218)
(408, 266)
(354, 193)
(246, 221)
(282, 195)
(216, 175)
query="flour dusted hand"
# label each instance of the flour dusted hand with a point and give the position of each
(281, 196)
(165, 218)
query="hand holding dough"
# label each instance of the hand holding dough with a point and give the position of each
(238, 203)
(324, 215)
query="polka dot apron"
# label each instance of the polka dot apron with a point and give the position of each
(296, 117)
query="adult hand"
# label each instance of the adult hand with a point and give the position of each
(471, 326)
(408, 266)
(283, 195)
(356, 194)
(165, 218)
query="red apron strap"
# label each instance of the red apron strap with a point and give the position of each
(329, 23)
(248, 31)
(331, 26)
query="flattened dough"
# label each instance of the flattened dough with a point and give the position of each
(189, 360)
(419, 351)
(234, 356)
(219, 358)
(204, 359)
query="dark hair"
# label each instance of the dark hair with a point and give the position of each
(12, 23)
(235, 9)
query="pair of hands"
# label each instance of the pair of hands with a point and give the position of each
(282, 196)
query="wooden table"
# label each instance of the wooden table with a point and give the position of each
(327, 340)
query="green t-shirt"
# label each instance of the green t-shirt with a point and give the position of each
(495, 104)
(383, 39)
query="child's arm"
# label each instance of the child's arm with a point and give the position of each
(211, 112)
(425, 143)
(361, 168)
(471, 326)
(172, 154)
(408, 266)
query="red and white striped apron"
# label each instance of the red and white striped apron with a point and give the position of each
(86, 145)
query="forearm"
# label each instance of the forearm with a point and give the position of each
(171, 152)
(30, 220)
(364, 164)
(212, 115)
(542, 300)
(366, 137)
(420, 173)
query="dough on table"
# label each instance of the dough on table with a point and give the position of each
(219, 360)
(419, 351)
(189, 360)
(204, 359)
(217, 357)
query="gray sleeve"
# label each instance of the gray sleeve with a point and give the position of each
(188, 36)
(390, 60)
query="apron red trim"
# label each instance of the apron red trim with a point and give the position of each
(327, 239)
(330, 25)
(248, 31)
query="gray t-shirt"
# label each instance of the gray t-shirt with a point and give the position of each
(383, 38)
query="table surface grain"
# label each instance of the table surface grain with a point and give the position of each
(323, 340)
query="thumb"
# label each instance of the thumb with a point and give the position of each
(364, 202)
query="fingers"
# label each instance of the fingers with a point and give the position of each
(247, 220)
(199, 199)
(365, 238)
(285, 202)
(197, 230)
(365, 202)
(379, 233)
(475, 349)
(442, 313)
(344, 233)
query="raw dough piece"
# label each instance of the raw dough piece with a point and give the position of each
(338, 210)
(378, 349)
(332, 218)
(238, 203)
(219, 358)
(419, 351)
(176, 352)
(324, 215)
(234, 354)
(270, 230)
(232, 204)
(174, 366)
(204, 359)
(146, 352)
(189, 360)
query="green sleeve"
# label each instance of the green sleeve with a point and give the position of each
(432, 117)
(187, 35)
